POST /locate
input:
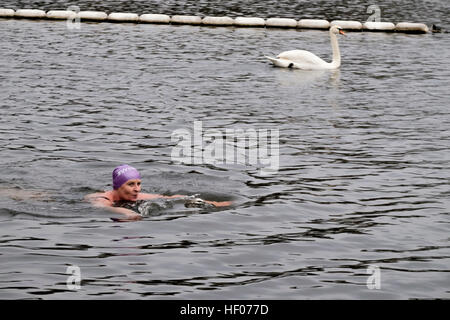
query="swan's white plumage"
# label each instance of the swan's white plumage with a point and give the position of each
(302, 59)
(306, 57)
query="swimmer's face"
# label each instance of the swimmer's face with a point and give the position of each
(129, 190)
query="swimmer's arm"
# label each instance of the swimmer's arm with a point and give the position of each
(219, 204)
(129, 214)
(149, 196)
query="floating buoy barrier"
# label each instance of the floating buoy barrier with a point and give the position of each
(61, 14)
(281, 23)
(99, 16)
(30, 13)
(379, 26)
(313, 24)
(6, 13)
(347, 25)
(154, 18)
(411, 27)
(123, 17)
(218, 21)
(92, 15)
(249, 22)
(193, 20)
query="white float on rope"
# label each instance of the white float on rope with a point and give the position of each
(218, 21)
(281, 23)
(194, 20)
(378, 26)
(6, 13)
(347, 25)
(30, 13)
(411, 27)
(249, 22)
(154, 18)
(92, 15)
(123, 17)
(61, 14)
(313, 24)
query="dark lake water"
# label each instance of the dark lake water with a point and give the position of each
(363, 176)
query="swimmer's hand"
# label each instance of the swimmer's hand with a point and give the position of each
(197, 203)
(129, 215)
(129, 218)
(194, 202)
(124, 220)
(220, 203)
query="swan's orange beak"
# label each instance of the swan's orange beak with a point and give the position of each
(342, 32)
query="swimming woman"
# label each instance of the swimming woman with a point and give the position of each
(127, 187)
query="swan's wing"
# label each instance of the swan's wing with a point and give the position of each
(301, 57)
(281, 62)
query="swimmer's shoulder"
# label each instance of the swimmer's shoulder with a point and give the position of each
(100, 198)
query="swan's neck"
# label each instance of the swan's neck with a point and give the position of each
(336, 63)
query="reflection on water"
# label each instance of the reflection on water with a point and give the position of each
(363, 177)
(304, 79)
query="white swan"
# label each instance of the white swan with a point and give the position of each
(301, 59)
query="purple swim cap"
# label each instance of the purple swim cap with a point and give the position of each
(122, 174)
